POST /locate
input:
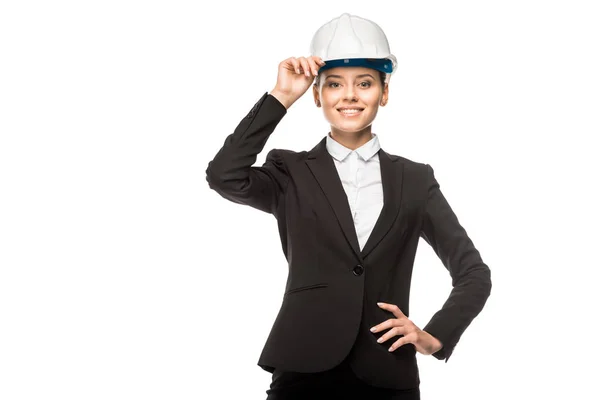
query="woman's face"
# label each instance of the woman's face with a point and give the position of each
(350, 97)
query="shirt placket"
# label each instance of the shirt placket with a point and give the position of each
(355, 183)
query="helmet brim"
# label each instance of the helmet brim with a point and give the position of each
(386, 65)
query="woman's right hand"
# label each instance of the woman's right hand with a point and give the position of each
(294, 77)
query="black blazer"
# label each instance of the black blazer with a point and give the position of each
(333, 287)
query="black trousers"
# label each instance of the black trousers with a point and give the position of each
(337, 383)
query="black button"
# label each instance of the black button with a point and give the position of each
(358, 270)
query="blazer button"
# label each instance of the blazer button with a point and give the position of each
(358, 270)
(253, 110)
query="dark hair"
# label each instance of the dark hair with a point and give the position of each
(382, 76)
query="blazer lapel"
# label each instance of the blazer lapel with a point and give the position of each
(391, 179)
(323, 169)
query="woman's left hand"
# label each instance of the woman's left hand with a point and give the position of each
(424, 342)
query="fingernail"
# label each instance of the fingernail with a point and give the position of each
(391, 349)
(373, 329)
(379, 340)
(379, 304)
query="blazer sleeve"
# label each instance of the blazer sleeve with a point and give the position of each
(231, 174)
(471, 277)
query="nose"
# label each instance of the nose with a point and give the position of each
(350, 93)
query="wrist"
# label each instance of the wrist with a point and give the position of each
(285, 100)
(436, 344)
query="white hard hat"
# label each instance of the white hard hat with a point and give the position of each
(350, 40)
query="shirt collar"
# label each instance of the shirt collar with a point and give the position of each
(340, 152)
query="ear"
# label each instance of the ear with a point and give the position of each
(316, 95)
(384, 96)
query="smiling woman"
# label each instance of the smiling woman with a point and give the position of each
(350, 216)
(350, 98)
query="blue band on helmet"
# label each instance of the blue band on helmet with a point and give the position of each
(383, 65)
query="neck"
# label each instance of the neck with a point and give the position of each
(352, 140)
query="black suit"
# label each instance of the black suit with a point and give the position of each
(333, 287)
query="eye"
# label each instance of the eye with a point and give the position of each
(331, 84)
(365, 84)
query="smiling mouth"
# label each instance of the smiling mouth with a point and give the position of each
(350, 111)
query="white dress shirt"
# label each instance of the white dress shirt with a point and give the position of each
(360, 174)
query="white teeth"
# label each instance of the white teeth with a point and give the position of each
(350, 111)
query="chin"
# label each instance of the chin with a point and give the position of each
(351, 129)
(347, 126)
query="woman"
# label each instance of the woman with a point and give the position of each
(350, 216)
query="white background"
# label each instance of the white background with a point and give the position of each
(123, 276)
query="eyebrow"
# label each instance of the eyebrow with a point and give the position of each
(359, 76)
